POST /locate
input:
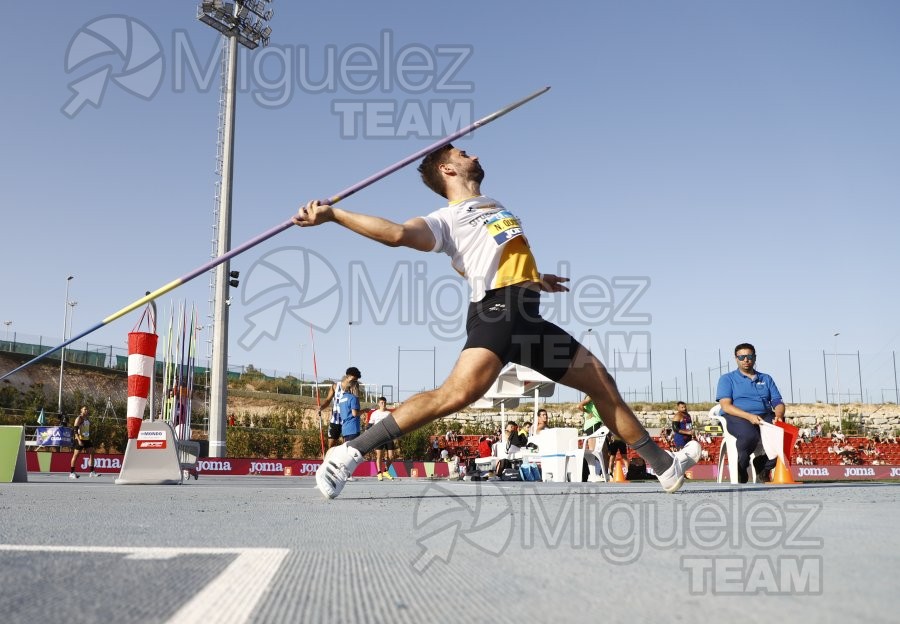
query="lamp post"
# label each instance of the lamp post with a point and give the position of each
(242, 22)
(62, 355)
(301, 367)
(349, 344)
(837, 375)
(7, 323)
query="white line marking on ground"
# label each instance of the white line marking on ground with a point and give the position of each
(229, 599)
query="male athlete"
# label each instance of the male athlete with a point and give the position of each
(487, 245)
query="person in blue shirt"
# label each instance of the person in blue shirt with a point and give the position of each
(747, 398)
(349, 408)
(682, 426)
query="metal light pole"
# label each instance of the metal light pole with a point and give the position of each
(301, 367)
(7, 323)
(243, 22)
(837, 375)
(153, 370)
(62, 355)
(349, 344)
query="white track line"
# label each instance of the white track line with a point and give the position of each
(229, 599)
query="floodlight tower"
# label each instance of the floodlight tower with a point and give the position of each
(62, 355)
(243, 22)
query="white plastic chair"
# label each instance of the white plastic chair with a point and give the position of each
(553, 445)
(575, 456)
(728, 448)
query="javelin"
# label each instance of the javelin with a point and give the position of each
(253, 242)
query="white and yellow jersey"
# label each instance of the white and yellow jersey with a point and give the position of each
(485, 242)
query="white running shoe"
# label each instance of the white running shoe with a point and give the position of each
(673, 478)
(336, 469)
(72, 475)
(94, 474)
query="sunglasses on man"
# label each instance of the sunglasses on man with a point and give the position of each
(750, 357)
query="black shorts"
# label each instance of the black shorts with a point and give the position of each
(334, 431)
(387, 446)
(617, 446)
(508, 322)
(82, 445)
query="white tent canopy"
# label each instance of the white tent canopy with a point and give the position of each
(513, 383)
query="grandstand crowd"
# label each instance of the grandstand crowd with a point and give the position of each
(812, 447)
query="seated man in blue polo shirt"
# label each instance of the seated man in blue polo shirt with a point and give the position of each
(748, 397)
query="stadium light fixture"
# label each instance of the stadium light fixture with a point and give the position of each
(241, 20)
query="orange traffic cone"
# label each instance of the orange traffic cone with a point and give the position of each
(619, 472)
(782, 474)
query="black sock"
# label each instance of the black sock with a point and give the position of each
(377, 435)
(658, 459)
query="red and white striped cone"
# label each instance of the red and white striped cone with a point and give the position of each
(141, 359)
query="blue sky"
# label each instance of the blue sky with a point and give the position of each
(706, 172)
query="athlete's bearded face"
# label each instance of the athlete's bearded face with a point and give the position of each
(468, 165)
(476, 172)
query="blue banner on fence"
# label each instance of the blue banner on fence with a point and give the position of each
(54, 436)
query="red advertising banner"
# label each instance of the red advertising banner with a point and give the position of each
(59, 462)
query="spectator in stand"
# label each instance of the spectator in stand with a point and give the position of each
(682, 426)
(542, 419)
(665, 436)
(435, 449)
(378, 414)
(506, 447)
(749, 398)
(484, 447)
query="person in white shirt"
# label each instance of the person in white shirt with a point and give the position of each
(487, 245)
(378, 414)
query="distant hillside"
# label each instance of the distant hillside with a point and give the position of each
(250, 404)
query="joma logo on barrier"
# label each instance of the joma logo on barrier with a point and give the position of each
(814, 472)
(895, 472)
(266, 467)
(859, 472)
(306, 469)
(101, 462)
(213, 466)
